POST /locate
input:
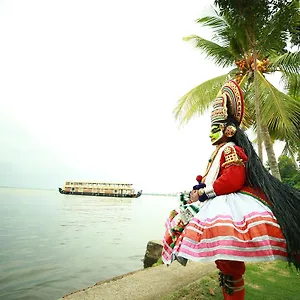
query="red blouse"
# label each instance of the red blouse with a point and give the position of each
(232, 174)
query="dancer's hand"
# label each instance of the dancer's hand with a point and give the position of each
(202, 196)
(193, 196)
(197, 195)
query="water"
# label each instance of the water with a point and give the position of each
(53, 244)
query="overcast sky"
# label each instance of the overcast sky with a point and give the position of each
(88, 88)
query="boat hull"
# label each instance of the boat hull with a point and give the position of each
(100, 194)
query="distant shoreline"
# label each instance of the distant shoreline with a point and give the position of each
(26, 188)
(48, 189)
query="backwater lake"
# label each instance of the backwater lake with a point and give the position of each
(53, 244)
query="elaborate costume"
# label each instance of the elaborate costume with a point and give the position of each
(238, 212)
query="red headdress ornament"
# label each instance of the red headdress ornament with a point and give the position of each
(229, 105)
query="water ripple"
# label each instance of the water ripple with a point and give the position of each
(53, 244)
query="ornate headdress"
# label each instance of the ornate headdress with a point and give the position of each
(229, 105)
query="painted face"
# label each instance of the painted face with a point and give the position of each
(216, 134)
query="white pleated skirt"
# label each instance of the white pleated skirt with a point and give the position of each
(236, 226)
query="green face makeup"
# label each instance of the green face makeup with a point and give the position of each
(215, 134)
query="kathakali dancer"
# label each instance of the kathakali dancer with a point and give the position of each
(238, 212)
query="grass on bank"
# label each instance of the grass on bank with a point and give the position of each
(264, 281)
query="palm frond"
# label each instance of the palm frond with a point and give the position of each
(279, 111)
(220, 55)
(216, 22)
(198, 100)
(220, 28)
(275, 31)
(292, 84)
(249, 113)
(291, 150)
(288, 62)
(235, 40)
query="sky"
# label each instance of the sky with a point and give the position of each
(88, 89)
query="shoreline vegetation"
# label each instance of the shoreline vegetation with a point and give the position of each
(197, 281)
(264, 281)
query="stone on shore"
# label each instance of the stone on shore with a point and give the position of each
(153, 253)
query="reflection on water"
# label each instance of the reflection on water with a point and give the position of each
(53, 244)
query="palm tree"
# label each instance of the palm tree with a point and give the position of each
(272, 111)
(292, 146)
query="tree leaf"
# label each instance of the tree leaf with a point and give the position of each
(197, 101)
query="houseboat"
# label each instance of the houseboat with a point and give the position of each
(92, 188)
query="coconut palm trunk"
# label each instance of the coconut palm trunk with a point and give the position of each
(270, 152)
(257, 109)
(262, 130)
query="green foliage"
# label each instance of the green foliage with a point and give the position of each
(220, 55)
(205, 289)
(287, 63)
(260, 18)
(272, 280)
(264, 281)
(240, 29)
(280, 111)
(289, 172)
(197, 100)
(158, 263)
(295, 35)
(292, 84)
